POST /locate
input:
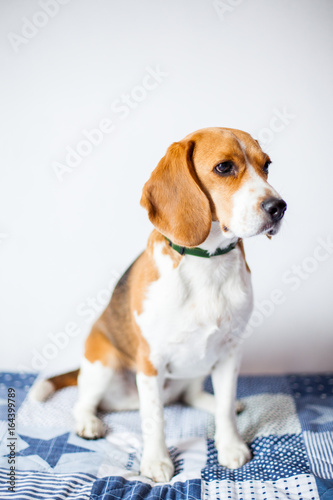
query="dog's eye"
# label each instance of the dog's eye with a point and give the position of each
(225, 168)
(266, 167)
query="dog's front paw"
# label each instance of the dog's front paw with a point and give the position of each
(233, 454)
(90, 427)
(159, 470)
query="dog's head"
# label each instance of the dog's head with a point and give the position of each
(214, 174)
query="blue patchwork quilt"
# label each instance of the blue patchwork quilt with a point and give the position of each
(288, 421)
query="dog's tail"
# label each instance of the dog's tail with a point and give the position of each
(42, 389)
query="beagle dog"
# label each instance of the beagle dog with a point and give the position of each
(178, 312)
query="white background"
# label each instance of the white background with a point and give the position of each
(62, 243)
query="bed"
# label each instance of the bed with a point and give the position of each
(288, 421)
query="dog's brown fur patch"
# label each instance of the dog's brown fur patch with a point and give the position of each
(116, 339)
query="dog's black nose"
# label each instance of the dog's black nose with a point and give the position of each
(275, 208)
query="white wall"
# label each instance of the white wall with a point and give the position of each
(62, 243)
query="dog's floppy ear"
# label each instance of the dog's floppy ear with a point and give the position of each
(176, 205)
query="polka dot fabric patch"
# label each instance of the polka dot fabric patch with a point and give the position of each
(21, 384)
(22, 381)
(302, 486)
(273, 457)
(320, 386)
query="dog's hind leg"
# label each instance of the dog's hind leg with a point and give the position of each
(122, 394)
(195, 396)
(93, 382)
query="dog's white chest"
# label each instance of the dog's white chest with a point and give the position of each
(192, 310)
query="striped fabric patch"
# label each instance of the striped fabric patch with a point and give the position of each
(319, 446)
(43, 485)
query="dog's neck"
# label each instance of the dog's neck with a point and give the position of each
(216, 239)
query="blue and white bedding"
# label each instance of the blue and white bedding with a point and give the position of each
(288, 421)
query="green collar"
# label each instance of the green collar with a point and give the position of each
(199, 252)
